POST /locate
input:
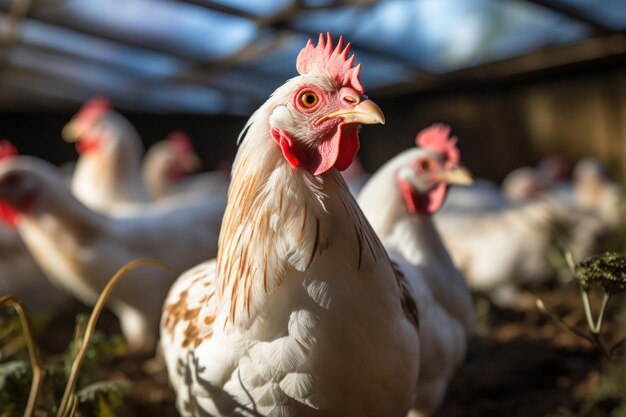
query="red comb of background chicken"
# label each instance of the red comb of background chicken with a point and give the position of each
(7, 149)
(7, 214)
(334, 62)
(437, 138)
(180, 141)
(93, 109)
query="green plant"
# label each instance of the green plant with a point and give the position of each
(62, 373)
(605, 273)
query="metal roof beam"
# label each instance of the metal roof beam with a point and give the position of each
(595, 51)
(574, 13)
(282, 21)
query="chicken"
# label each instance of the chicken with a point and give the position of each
(398, 201)
(302, 312)
(482, 195)
(168, 170)
(500, 251)
(107, 177)
(525, 183)
(80, 250)
(592, 195)
(595, 190)
(19, 274)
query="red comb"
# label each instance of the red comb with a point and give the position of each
(437, 138)
(93, 109)
(7, 149)
(180, 141)
(7, 214)
(334, 62)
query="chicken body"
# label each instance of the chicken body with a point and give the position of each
(169, 170)
(107, 177)
(21, 277)
(499, 251)
(302, 313)
(439, 290)
(80, 250)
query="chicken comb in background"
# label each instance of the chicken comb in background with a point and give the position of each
(7, 149)
(335, 62)
(8, 216)
(437, 138)
(180, 141)
(92, 109)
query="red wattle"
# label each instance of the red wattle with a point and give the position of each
(348, 146)
(422, 204)
(409, 195)
(8, 215)
(338, 150)
(87, 145)
(436, 198)
(287, 146)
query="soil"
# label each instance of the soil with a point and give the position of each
(519, 363)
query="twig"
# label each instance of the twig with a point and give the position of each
(559, 322)
(33, 354)
(592, 337)
(91, 326)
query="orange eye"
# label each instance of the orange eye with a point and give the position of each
(309, 99)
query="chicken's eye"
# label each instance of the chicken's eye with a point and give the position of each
(309, 99)
(424, 165)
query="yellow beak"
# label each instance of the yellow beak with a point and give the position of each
(365, 113)
(192, 163)
(459, 176)
(70, 132)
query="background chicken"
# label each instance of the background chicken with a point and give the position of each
(301, 313)
(107, 176)
(80, 249)
(169, 169)
(19, 274)
(501, 250)
(398, 201)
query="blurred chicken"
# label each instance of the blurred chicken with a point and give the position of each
(499, 251)
(19, 274)
(302, 313)
(107, 177)
(398, 201)
(80, 249)
(592, 193)
(595, 189)
(482, 195)
(526, 183)
(169, 168)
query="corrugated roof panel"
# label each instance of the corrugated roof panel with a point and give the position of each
(192, 30)
(442, 35)
(610, 12)
(257, 7)
(56, 38)
(185, 98)
(96, 77)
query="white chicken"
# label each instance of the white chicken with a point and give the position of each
(398, 201)
(19, 274)
(107, 177)
(500, 251)
(302, 313)
(169, 167)
(80, 249)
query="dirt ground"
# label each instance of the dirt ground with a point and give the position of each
(518, 364)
